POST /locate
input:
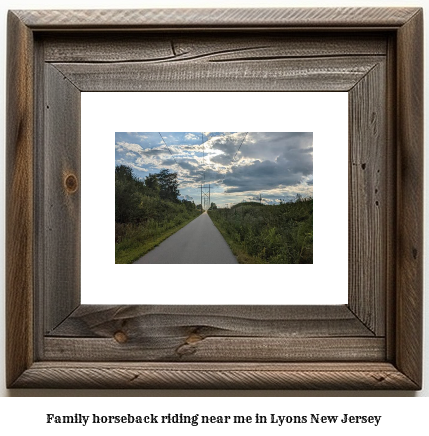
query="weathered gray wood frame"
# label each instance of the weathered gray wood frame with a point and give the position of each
(374, 342)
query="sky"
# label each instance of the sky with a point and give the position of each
(238, 166)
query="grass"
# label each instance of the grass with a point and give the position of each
(134, 241)
(237, 249)
(268, 234)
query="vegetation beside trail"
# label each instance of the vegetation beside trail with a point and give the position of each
(268, 233)
(147, 212)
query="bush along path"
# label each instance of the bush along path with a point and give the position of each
(268, 233)
(147, 212)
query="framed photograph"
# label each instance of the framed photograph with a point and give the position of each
(60, 61)
(236, 171)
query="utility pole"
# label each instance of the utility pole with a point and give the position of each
(260, 198)
(204, 164)
(201, 198)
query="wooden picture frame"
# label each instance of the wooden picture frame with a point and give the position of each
(373, 342)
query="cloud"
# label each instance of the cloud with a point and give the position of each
(188, 164)
(191, 136)
(278, 164)
(260, 176)
(154, 152)
(227, 146)
(186, 197)
(125, 146)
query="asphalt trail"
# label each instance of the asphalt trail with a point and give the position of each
(198, 242)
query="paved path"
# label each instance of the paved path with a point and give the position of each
(198, 242)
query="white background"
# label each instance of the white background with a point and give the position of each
(402, 414)
(323, 113)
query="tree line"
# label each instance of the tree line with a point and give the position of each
(147, 211)
(139, 200)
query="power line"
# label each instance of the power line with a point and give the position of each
(203, 186)
(202, 143)
(239, 147)
(168, 148)
(204, 164)
(236, 152)
(242, 141)
(207, 136)
(204, 167)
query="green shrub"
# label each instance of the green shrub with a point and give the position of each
(146, 212)
(269, 234)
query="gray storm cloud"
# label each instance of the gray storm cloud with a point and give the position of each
(276, 163)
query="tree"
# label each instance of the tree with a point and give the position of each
(213, 206)
(136, 200)
(151, 182)
(127, 194)
(168, 185)
(124, 173)
(190, 205)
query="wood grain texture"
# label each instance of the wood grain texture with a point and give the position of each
(391, 191)
(173, 47)
(409, 281)
(61, 186)
(207, 50)
(213, 333)
(19, 200)
(301, 375)
(368, 202)
(330, 74)
(193, 348)
(209, 18)
(99, 321)
(39, 200)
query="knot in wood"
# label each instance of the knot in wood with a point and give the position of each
(120, 337)
(193, 337)
(71, 183)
